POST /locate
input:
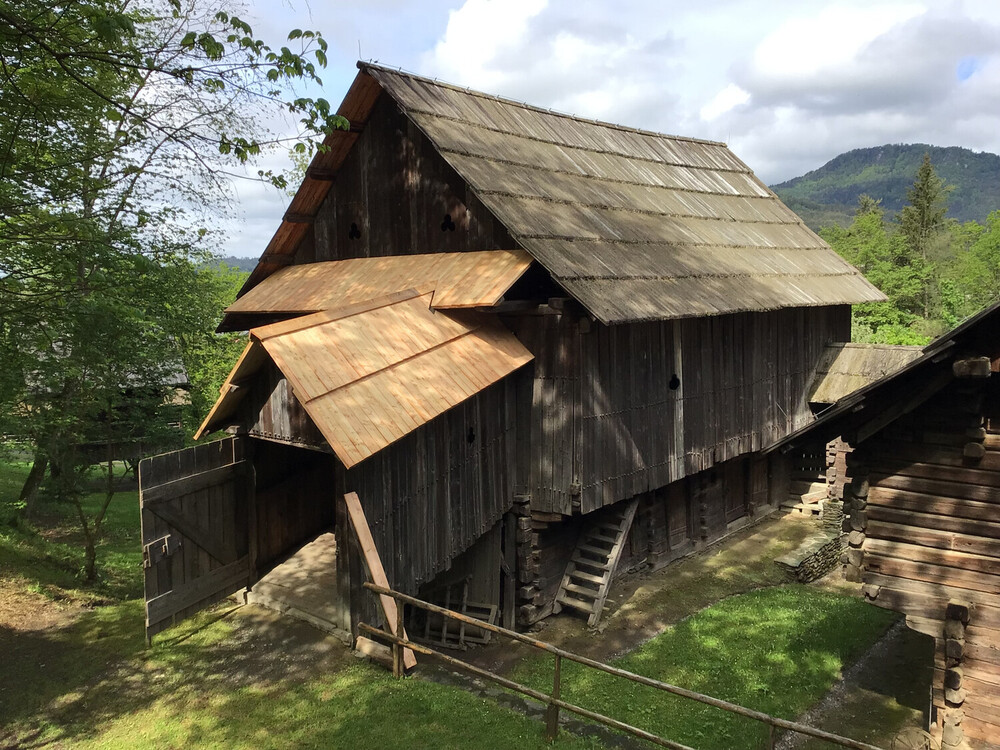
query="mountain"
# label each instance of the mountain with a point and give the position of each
(829, 194)
(244, 264)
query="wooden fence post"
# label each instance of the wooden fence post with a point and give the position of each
(397, 649)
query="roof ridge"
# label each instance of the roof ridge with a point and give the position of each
(514, 134)
(364, 66)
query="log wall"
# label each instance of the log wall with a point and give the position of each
(925, 541)
(621, 411)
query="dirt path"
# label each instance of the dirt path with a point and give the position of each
(879, 695)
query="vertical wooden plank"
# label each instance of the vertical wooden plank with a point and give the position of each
(374, 563)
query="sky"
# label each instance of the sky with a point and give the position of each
(788, 84)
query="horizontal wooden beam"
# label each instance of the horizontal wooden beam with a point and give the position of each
(933, 521)
(281, 259)
(321, 174)
(988, 513)
(937, 487)
(933, 537)
(189, 485)
(294, 218)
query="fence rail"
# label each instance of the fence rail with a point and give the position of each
(553, 700)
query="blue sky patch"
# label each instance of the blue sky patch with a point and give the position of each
(966, 67)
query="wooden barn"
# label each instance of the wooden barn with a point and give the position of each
(540, 349)
(923, 504)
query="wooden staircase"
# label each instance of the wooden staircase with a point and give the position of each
(587, 580)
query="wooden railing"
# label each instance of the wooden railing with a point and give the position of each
(553, 701)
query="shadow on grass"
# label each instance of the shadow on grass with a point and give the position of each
(244, 680)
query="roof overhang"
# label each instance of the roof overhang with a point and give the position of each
(370, 374)
(457, 280)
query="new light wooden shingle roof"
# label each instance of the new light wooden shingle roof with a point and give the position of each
(457, 280)
(367, 375)
(635, 225)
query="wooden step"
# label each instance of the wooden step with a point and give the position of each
(581, 591)
(578, 560)
(569, 601)
(813, 498)
(579, 574)
(807, 488)
(601, 538)
(588, 554)
(806, 509)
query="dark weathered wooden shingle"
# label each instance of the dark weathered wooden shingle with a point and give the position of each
(635, 225)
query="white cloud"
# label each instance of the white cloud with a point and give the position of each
(478, 33)
(790, 84)
(730, 97)
(826, 43)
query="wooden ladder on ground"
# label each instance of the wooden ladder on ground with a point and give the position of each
(587, 580)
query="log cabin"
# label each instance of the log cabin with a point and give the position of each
(540, 349)
(923, 513)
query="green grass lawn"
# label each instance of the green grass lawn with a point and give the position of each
(48, 552)
(777, 650)
(227, 681)
(221, 682)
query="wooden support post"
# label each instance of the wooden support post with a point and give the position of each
(375, 569)
(552, 712)
(856, 518)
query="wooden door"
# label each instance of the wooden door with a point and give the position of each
(196, 506)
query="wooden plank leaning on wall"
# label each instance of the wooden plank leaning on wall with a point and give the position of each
(375, 570)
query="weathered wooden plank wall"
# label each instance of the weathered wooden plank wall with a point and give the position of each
(431, 495)
(927, 507)
(619, 411)
(391, 197)
(277, 415)
(670, 522)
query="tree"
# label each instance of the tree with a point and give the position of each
(928, 206)
(976, 272)
(122, 122)
(886, 261)
(922, 222)
(209, 356)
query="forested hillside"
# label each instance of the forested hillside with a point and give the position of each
(827, 196)
(935, 269)
(243, 264)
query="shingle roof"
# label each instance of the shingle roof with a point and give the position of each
(369, 374)
(477, 279)
(633, 224)
(846, 368)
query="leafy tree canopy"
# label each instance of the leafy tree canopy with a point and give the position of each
(123, 120)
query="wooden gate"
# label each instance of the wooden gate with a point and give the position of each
(196, 506)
